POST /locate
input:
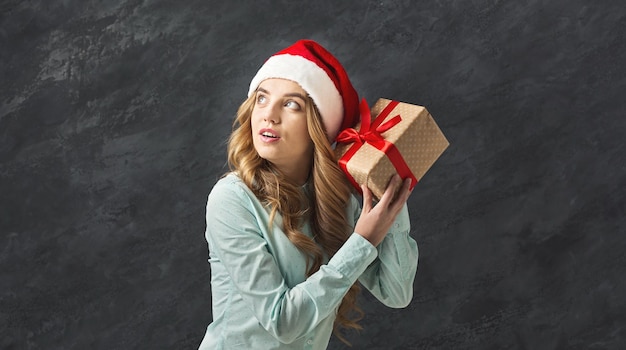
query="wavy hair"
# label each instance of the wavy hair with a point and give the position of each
(325, 206)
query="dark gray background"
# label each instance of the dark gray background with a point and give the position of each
(113, 122)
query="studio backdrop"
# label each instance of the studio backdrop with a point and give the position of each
(114, 118)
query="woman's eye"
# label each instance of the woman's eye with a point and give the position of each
(261, 99)
(293, 105)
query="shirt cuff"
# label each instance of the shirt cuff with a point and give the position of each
(356, 254)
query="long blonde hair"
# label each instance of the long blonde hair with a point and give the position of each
(325, 206)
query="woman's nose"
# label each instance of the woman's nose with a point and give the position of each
(271, 114)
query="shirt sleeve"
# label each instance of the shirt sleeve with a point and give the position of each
(390, 277)
(287, 313)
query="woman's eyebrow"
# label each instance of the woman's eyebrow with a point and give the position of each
(290, 94)
(295, 94)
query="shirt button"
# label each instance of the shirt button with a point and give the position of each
(310, 341)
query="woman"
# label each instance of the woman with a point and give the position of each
(287, 239)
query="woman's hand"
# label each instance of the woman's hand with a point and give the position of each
(375, 221)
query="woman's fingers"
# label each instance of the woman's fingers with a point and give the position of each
(375, 221)
(367, 198)
(403, 195)
(390, 191)
(396, 194)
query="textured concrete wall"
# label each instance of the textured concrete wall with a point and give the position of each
(113, 121)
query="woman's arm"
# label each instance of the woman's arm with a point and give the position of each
(386, 225)
(234, 236)
(390, 277)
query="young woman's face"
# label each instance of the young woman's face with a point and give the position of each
(279, 127)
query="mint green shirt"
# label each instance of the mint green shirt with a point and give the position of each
(261, 296)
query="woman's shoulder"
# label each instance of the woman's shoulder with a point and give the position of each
(229, 185)
(229, 179)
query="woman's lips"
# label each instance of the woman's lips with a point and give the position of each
(269, 135)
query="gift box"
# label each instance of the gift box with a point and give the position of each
(400, 138)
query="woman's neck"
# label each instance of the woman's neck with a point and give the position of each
(299, 175)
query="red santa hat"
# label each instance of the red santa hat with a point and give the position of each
(321, 75)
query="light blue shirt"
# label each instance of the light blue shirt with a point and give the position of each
(261, 296)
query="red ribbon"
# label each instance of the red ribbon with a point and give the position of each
(370, 132)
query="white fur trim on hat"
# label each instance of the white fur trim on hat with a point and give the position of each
(313, 79)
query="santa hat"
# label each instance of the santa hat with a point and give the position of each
(321, 75)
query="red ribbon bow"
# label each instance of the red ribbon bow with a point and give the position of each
(370, 132)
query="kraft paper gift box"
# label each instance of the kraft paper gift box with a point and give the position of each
(400, 138)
